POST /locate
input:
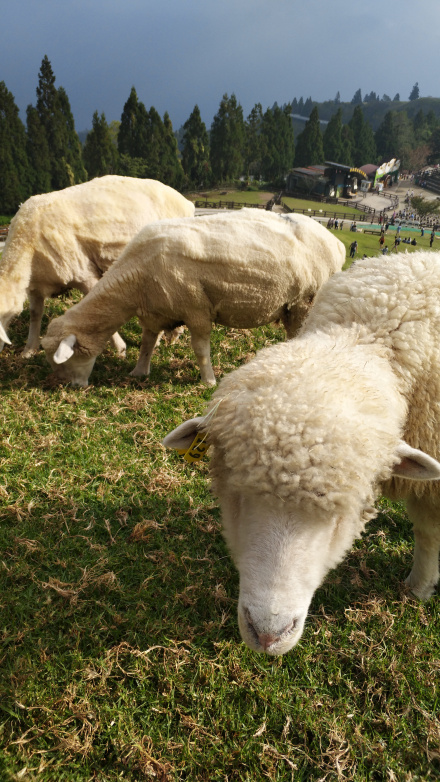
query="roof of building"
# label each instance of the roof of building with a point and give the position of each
(369, 168)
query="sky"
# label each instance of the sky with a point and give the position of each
(179, 53)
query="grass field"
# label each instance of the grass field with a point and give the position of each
(120, 653)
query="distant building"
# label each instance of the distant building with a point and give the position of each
(331, 179)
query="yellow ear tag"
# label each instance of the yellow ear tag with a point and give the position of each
(196, 450)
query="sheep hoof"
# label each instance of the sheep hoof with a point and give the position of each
(29, 352)
(210, 382)
(138, 372)
(422, 591)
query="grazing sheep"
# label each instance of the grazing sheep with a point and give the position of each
(308, 433)
(240, 269)
(69, 238)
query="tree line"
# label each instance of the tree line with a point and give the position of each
(47, 155)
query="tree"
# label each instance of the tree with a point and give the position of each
(15, 184)
(338, 97)
(396, 97)
(254, 141)
(332, 139)
(129, 132)
(227, 140)
(170, 166)
(38, 153)
(415, 92)
(100, 154)
(425, 206)
(434, 147)
(72, 144)
(309, 146)
(277, 144)
(386, 98)
(364, 149)
(371, 97)
(357, 97)
(195, 153)
(56, 118)
(347, 146)
(386, 137)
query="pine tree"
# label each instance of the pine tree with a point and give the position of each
(309, 146)
(15, 184)
(195, 153)
(415, 92)
(332, 139)
(128, 136)
(56, 118)
(72, 144)
(347, 146)
(99, 153)
(170, 165)
(364, 150)
(357, 97)
(277, 144)
(38, 153)
(227, 140)
(385, 137)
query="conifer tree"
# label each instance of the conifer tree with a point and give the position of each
(364, 147)
(309, 147)
(99, 153)
(227, 140)
(385, 137)
(253, 149)
(56, 118)
(415, 92)
(38, 153)
(195, 153)
(347, 146)
(171, 167)
(14, 164)
(129, 133)
(332, 139)
(278, 146)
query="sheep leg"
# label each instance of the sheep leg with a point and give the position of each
(119, 344)
(202, 348)
(293, 318)
(36, 307)
(149, 340)
(117, 341)
(425, 571)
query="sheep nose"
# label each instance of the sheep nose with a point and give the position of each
(267, 639)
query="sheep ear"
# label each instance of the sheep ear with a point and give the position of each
(183, 436)
(3, 336)
(415, 465)
(65, 349)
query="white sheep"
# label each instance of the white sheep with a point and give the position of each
(69, 238)
(308, 433)
(241, 269)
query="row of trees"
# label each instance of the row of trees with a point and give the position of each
(47, 155)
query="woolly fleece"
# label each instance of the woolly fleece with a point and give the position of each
(240, 269)
(69, 238)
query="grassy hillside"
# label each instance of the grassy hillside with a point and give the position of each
(119, 647)
(373, 112)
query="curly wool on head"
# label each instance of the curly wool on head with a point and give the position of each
(285, 427)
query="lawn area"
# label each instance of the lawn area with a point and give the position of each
(239, 196)
(120, 653)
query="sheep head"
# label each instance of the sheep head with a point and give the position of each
(69, 365)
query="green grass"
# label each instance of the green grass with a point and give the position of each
(120, 653)
(229, 194)
(298, 203)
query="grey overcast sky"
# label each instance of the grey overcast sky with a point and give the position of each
(177, 53)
